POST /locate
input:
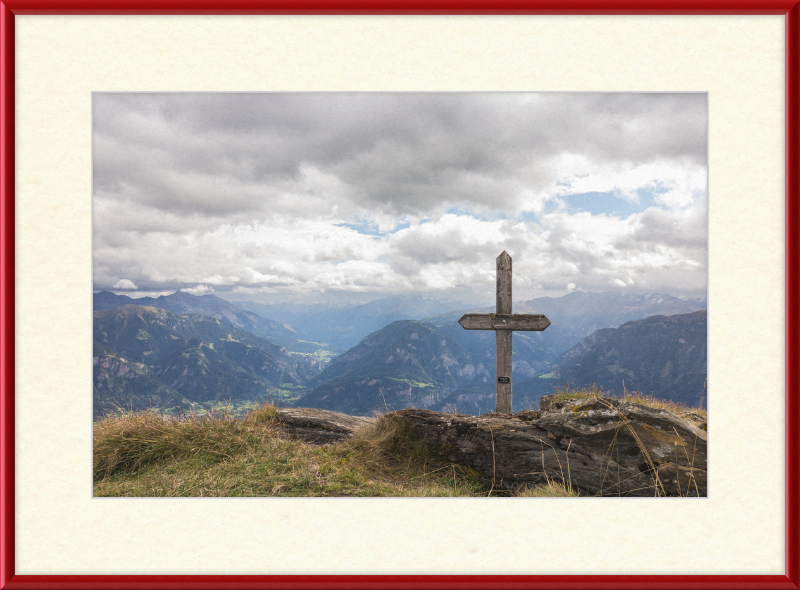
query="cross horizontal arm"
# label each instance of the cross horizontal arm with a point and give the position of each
(496, 321)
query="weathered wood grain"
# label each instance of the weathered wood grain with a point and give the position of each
(504, 283)
(503, 369)
(492, 321)
(504, 322)
(503, 337)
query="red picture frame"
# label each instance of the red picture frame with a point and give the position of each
(790, 9)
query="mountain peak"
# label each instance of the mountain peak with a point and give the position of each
(186, 296)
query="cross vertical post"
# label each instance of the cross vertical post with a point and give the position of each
(503, 322)
(503, 338)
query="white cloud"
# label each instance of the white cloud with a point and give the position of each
(448, 252)
(261, 193)
(676, 182)
(124, 284)
(199, 290)
(219, 280)
(252, 277)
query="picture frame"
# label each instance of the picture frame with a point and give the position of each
(12, 310)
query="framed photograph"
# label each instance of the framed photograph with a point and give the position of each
(104, 106)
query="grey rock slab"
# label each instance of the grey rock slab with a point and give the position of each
(320, 426)
(601, 446)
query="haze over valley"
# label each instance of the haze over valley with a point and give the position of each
(147, 356)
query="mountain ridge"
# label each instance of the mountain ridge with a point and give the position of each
(661, 356)
(210, 305)
(407, 363)
(573, 317)
(185, 360)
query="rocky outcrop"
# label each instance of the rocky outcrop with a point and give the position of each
(602, 446)
(319, 426)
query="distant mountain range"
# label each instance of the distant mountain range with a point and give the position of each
(146, 356)
(409, 363)
(181, 303)
(183, 349)
(661, 356)
(573, 317)
(343, 327)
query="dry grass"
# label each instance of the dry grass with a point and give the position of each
(142, 454)
(552, 489)
(690, 414)
(127, 442)
(695, 416)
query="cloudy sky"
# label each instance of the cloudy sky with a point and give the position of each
(260, 196)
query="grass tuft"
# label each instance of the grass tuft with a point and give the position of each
(389, 438)
(694, 415)
(127, 442)
(144, 454)
(552, 489)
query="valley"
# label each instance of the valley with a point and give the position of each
(210, 353)
(148, 357)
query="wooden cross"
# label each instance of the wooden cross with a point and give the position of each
(504, 323)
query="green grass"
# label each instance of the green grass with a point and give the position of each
(550, 375)
(411, 382)
(323, 355)
(286, 394)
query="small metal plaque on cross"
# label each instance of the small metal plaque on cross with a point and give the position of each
(504, 323)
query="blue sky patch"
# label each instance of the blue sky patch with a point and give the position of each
(363, 227)
(402, 225)
(608, 203)
(367, 228)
